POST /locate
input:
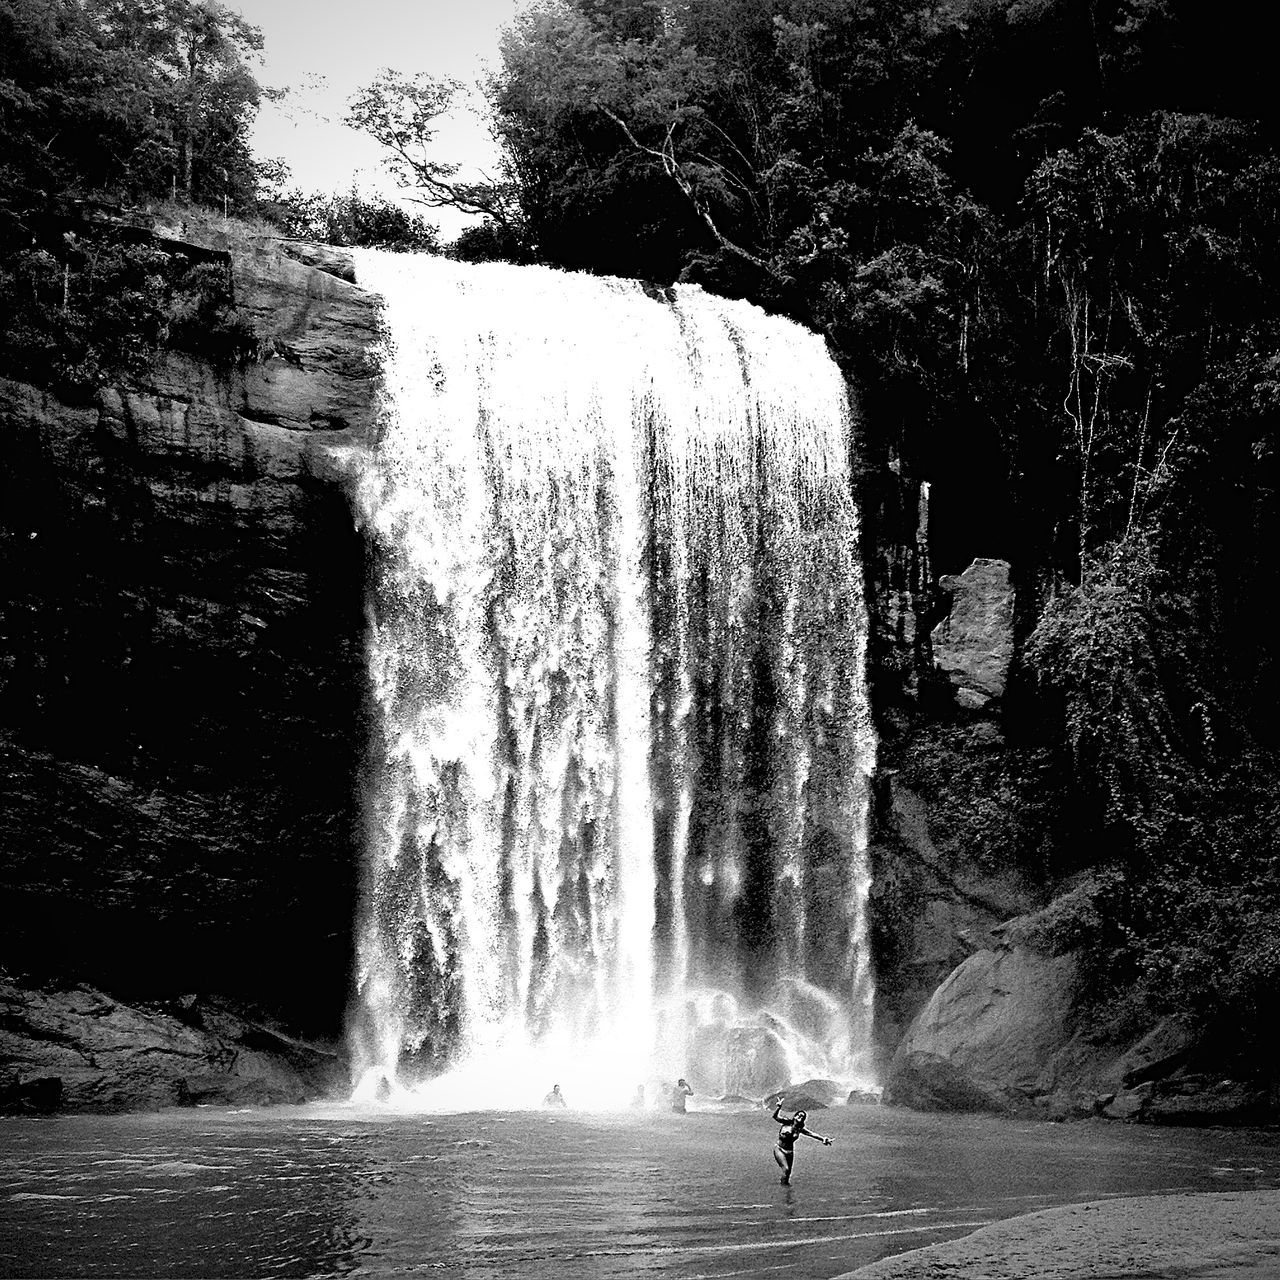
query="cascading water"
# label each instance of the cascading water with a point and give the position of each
(617, 807)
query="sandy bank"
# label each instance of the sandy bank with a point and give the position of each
(1172, 1237)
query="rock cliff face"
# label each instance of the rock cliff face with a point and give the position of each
(181, 685)
(181, 729)
(80, 1050)
(1007, 1031)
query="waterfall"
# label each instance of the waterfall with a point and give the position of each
(616, 810)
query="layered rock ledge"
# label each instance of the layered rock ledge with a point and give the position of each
(181, 654)
(80, 1050)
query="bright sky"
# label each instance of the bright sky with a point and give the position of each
(324, 50)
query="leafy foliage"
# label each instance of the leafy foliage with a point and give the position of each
(354, 219)
(1113, 648)
(400, 112)
(125, 100)
(106, 102)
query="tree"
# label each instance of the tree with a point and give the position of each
(127, 98)
(113, 101)
(400, 112)
(354, 219)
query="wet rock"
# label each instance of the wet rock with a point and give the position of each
(863, 1098)
(747, 1060)
(325, 257)
(953, 907)
(1004, 1033)
(809, 1095)
(28, 1094)
(797, 1101)
(1129, 1103)
(1158, 1053)
(1197, 1100)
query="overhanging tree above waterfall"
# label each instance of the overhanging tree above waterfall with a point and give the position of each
(400, 111)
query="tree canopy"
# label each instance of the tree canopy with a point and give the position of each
(126, 99)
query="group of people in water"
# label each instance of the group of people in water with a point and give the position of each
(678, 1092)
(784, 1150)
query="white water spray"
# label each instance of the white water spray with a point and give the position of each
(617, 812)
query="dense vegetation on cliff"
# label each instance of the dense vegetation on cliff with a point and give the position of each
(1043, 238)
(110, 102)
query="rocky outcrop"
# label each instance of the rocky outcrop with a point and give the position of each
(982, 1041)
(1007, 1032)
(949, 829)
(807, 1095)
(181, 655)
(80, 1050)
(973, 644)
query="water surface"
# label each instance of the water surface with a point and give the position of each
(338, 1191)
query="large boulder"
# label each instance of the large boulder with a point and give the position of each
(1008, 1031)
(973, 644)
(737, 1059)
(982, 1040)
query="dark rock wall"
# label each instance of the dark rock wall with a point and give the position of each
(81, 1050)
(181, 674)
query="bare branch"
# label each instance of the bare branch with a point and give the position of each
(666, 156)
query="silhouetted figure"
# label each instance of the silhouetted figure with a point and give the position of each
(784, 1148)
(555, 1098)
(679, 1092)
(638, 1100)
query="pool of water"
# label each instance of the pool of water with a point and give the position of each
(320, 1191)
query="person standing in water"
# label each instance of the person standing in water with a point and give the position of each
(784, 1149)
(555, 1098)
(679, 1092)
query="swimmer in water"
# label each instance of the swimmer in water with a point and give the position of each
(784, 1148)
(555, 1098)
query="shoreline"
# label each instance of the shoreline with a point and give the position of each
(1227, 1235)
